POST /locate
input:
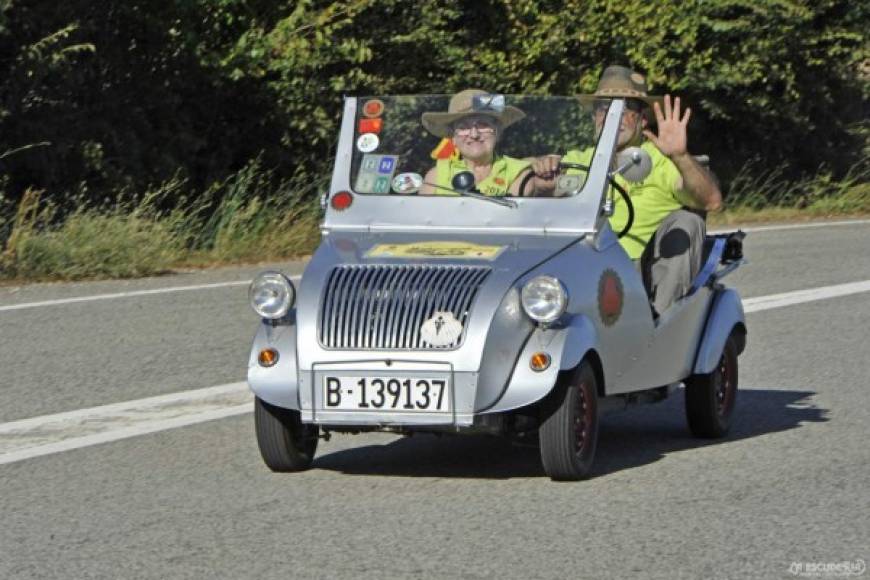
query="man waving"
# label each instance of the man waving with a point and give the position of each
(665, 237)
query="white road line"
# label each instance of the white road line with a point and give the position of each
(118, 433)
(132, 293)
(781, 227)
(37, 436)
(800, 296)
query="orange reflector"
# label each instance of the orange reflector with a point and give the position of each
(268, 357)
(540, 361)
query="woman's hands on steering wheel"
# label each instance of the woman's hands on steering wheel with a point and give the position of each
(545, 171)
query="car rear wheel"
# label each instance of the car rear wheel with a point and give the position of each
(710, 398)
(286, 443)
(569, 429)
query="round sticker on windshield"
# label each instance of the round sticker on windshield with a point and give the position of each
(407, 182)
(367, 142)
(373, 108)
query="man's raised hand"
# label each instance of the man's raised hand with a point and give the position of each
(672, 139)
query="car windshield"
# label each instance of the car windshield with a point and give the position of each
(394, 153)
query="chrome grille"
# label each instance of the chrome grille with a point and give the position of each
(383, 306)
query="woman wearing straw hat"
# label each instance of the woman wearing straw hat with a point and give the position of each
(667, 239)
(474, 121)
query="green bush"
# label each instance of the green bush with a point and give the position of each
(127, 94)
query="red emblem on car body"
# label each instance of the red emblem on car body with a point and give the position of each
(610, 297)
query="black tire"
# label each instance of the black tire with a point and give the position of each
(569, 426)
(285, 442)
(711, 398)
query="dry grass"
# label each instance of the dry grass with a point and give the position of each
(233, 222)
(236, 222)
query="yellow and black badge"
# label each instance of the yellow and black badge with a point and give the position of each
(462, 250)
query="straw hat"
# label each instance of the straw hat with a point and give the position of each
(621, 82)
(462, 104)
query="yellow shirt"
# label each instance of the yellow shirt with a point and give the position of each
(504, 171)
(653, 199)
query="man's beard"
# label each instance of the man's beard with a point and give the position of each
(633, 138)
(629, 138)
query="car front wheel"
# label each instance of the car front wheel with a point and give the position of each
(569, 428)
(286, 443)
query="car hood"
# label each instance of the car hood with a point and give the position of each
(505, 254)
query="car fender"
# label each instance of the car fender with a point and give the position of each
(278, 384)
(566, 345)
(582, 337)
(726, 313)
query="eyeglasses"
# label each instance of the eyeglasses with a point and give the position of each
(602, 105)
(463, 129)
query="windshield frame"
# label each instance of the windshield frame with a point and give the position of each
(572, 215)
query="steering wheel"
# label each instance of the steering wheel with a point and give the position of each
(612, 181)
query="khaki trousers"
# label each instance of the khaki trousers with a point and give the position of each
(672, 258)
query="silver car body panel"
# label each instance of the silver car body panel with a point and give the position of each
(669, 352)
(567, 346)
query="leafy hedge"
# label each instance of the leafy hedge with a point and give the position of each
(102, 99)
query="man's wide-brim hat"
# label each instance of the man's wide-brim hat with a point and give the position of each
(619, 82)
(471, 102)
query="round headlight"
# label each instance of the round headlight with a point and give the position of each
(271, 294)
(544, 299)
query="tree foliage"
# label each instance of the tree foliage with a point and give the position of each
(122, 94)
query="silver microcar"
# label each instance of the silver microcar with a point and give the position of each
(464, 313)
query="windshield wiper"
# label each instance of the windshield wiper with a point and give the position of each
(468, 193)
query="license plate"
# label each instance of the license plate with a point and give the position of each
(407, 395)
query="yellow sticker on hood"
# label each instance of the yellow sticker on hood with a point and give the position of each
(435, 250)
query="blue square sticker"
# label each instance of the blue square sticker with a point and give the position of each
(386, 165)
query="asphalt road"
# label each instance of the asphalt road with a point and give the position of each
(788, 488)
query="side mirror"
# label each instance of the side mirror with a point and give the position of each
(463, 181)
(634, 164)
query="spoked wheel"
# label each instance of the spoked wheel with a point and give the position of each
(710, 398)
(569, 428)
(286, 443)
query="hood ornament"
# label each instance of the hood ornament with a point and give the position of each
(443, 329)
